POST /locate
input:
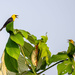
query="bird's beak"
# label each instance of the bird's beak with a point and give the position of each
(16, 16)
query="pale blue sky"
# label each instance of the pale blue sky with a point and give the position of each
(57, 17)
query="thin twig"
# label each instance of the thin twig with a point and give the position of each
(22, 50)
(24, 56)
(52, 66)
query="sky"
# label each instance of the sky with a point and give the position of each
(57, 17)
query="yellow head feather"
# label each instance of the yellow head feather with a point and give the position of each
(14, 16)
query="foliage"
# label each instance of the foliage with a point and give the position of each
(27, 55)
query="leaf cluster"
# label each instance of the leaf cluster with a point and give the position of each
(24, 54)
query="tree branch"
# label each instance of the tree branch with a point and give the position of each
(52, 66)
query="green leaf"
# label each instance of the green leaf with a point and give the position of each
(34, 37)
(27, 49)
(44, 49)
(65, 67)
(28, 73)
(15, 31)
(9, 27)
(73, 73)
(27, 35)
(24, 33)
(71, 49)
(73, 67)
(11, 63)
(41, 64)
(48, 57)
(61, 53)
(58, 57)
(12, 49)
(32, 66)
(21, 64)
(44, 38)
(18, 39)
(31, 39)
(18, 74)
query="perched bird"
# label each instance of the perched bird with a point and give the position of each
(70, 40)
(12, 18)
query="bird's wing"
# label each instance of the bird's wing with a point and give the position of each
(8, 21)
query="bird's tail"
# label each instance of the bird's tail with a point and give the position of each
(1, 28)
